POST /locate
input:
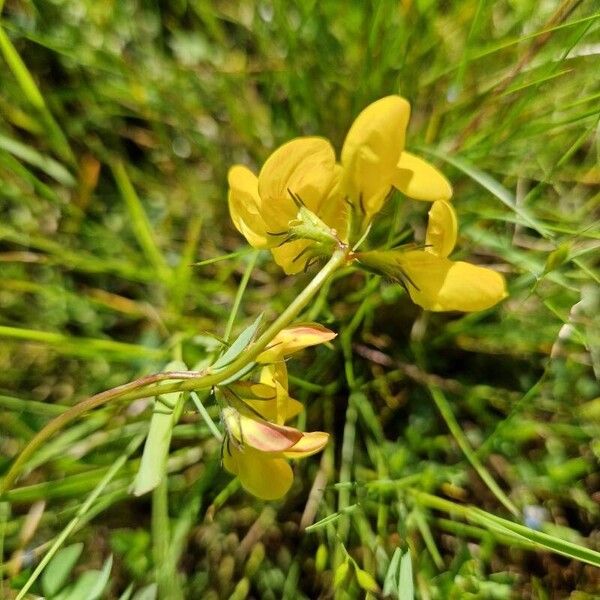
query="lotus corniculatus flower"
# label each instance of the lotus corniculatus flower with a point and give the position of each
(257, 450)
(258, 443)
(343, 199)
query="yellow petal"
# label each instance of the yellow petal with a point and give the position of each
(279, 410)
(271, 373)
(244, 204)
(371, 152)
(249, 389)
(440, 284)
(285, 408)
(306, 167)
(295, 338)
(291, 256)
(442, 229)
(258, 433)
(419, 180)
(310, 443)
(263, 476)
(292, 409)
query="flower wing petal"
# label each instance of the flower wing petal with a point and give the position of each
(244, 205)
(420, 180)
(442, 229)
(371, 152)
(291, 256)
(439, 284)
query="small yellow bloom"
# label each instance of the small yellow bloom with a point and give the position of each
(434, 281)
(257, 452)
(373, 160)
(262, 208)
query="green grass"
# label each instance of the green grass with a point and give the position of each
(452, 434)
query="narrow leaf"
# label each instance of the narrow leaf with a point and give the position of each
(405, 583)
(366, 581)
(156, 449)
(390, 584)
(58, 569)
(239, 345)
(90, 584)
(147, 593)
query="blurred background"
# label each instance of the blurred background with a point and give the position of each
(118, 123)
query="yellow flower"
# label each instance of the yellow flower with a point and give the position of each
(262, 207)
(257, 452)
(373, 160)
(432, 280)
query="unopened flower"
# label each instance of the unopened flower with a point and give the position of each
(257, 451)
(293, 339)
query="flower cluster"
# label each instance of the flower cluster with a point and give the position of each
(304, 202)
(258, 443)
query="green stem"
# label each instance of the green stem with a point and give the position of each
(240, 294)
(166, 572)
(152, 385)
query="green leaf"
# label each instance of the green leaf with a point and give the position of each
(543, 540)
(390, 584)
(46, 164)
(140, 223)
(127, 593)
(156, 449)
(557, 257)
(90, 584)
(331, 518)
(58, 569)
(405, 582)
(240, 344)
(146, 593)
